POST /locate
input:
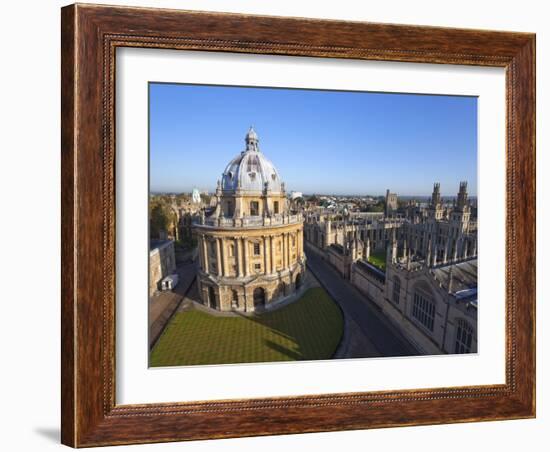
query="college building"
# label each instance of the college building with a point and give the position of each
(427, 282)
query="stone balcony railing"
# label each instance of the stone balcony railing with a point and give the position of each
(250, 222)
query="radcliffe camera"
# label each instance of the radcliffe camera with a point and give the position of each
(338, 225)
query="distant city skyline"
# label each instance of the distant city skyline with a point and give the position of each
(322, 142)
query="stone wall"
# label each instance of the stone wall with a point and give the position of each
(247, 268)
(162, 262)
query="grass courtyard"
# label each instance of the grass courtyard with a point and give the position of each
(310, 328)
(378, 259)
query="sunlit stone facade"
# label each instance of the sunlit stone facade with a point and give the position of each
(251, 246)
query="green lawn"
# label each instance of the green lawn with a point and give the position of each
(378, 259)
(307, 329)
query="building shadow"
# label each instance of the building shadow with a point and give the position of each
(297, 332)
(293, 355)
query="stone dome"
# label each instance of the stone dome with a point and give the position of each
(250, 171)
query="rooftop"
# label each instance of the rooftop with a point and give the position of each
(464, 281)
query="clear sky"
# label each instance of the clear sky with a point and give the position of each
(327, 142)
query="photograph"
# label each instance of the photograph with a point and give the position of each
(293, 224)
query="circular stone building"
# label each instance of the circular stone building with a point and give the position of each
(251, 246)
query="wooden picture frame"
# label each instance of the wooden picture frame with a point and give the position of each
(90, 35)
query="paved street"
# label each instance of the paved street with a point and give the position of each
(367, 327)
(163, 305)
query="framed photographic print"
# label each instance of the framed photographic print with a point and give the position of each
(282, 225)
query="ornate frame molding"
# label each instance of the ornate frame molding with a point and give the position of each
(90, 36)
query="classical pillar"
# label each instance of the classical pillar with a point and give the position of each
(200, 251)
(288, 249)
(238, 257)
(246, 263)
(224, 257)
(273, 263)
(205, 254)
(266, 260)
(218, 257)
(285, 248)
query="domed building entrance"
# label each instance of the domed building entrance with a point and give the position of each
(259, 297)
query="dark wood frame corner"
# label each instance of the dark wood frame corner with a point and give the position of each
(90, 35)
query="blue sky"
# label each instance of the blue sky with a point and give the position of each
(333, 142)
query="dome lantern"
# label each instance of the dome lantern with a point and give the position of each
(251, 171)
(252, 140)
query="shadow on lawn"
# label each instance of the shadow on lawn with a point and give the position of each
(297, 324)
(284, 350)
(279, 329)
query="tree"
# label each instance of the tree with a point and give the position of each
(161, 219)
(378, 207)
(313, 199)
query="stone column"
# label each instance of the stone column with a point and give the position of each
(246, 263)
(200, 251)
(288, 254)
(285, 250)
(218, 257)
(205, 254)
(223, 256)
(295, 238)
(272, 246)
(266, 260)
(238, 257)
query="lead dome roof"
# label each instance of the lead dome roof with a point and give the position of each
(251, 169)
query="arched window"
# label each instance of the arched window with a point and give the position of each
(423, 309)
(234, 299)
(276, 207)
(396, 289)
(464, 334)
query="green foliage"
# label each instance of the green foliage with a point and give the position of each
(378, 259)
(308, 329)
(378, 207)
(161, 216)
